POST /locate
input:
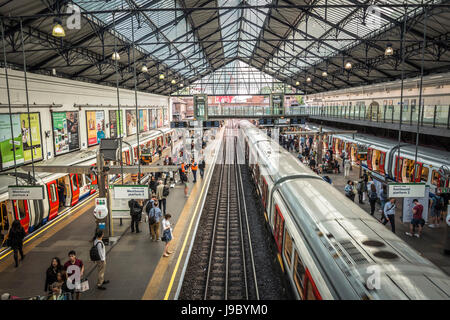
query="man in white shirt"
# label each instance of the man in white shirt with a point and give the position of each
(101, 264)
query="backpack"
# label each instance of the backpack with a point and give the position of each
(166, 191)
(439, 204)
(359, 186)
(373, 195)
(151, 216)
(94, 254)
(148, 206)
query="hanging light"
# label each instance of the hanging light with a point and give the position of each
(115, 56)
(297, 83)
(161, 76)
(389, 50)
(58, 30)
(308, 79)
(348, 65)
(144, 68)
(181, 85)
(324, 74)
(173, 81)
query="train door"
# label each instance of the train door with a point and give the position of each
(417, 172)
(408, 170)
(398, 168)
(4, 221)
(84, 184)
(21, 213)
(369, 158)
(311, 292)
(278, 227)
(53, 200)
(382, 162)
(37, 214)
(436, 179)
(75, 188)
(298, 272)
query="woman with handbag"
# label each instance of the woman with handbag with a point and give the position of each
(52, 273)
(167, 234)
(15, 240)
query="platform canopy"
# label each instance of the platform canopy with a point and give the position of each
(303, 44)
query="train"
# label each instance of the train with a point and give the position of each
(33, 214)
(328, 247)
(387, 162)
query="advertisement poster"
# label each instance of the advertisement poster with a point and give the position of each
(160, 118)
(143, 120)
(131, 122)
(95, 121)
(115, 124)
(65, 132)
(31, 138)
(6, 143)
(153, 118)
(408, 205)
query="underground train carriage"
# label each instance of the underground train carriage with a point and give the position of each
(326, 244)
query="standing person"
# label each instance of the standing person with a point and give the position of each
(154, 218)
(389, 213)
(360, 190)
(365, 178)
(162, 191)
(135, 213)
(62, 197)
(194, 171)
(417, 220)
(73, 261)
(435, 210)
(349, 191)
(15, 240)
(167, 234)
(159, 150)
(101, 264)
(373, 196)
(51, 274)
(201, 167)
(347, 166)
(383, 198)
(152, 184)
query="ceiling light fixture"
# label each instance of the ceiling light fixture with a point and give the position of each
(144, 68)
(324, 74)
(348, 65)
(308, 79)
(115, 56)
(389, 50)
(161, 76)
(173, 81)
(58, 30)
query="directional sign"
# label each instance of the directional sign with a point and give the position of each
(131, 192)
(26, 192)
(406, 190)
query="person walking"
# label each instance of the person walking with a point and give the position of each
(167, 234)
(51, 274)
(74, 261)
(154, 218)
(389, 214)
(201, 167)
(383, 198)
(101, 264)
(194, 171)
(435, 210)
(373, 196)
(15, 240)
(162, 191)
(347, 166)
(365, 178)
(135, 213)
(349, 190)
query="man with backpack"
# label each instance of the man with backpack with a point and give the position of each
(436, 207)
(154, 217)
(135, 213)
(201, 167)
(162, 191)
(98, 255)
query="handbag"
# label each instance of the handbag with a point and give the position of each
(84, 285)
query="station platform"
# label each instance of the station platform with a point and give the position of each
(134, 264)
(429, 245)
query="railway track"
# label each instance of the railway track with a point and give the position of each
(226, 257)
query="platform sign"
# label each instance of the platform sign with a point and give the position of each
(406, 190)
(178, 124)
(131, 192)
(211, 124)
(408, 205)
(26, 192)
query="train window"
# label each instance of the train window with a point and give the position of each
(74, 182)
(436, 178)
(288, 247)
(309, 292)
(424, 175)
(299, 273)
(53, 192)
(21, 209)
(81, 180)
